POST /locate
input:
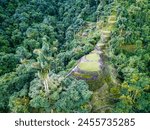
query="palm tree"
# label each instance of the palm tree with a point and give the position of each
(43, 64)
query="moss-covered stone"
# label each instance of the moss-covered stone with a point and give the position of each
(109, 27)
(101, 46)
(82, 75)
(100, 24)
(106, 32)
(112, 19)
(105, 36)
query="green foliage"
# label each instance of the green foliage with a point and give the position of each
(70, 95)
(41, 40)
(7, 62)
(75, 98)
(130, 47)
(42, 101)
(10, 83)
(40, 104)
(19, 101)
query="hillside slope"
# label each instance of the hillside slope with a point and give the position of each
(74, 56)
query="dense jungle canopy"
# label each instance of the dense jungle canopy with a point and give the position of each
(75, 56)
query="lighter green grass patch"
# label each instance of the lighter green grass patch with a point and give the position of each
(93, 57)
(89, 66)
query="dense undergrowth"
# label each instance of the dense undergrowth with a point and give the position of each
(40, 42)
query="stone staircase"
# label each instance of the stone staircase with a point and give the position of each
(98, 74)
